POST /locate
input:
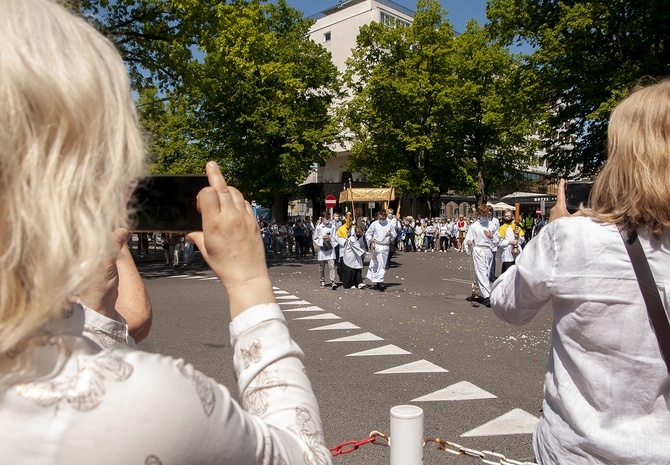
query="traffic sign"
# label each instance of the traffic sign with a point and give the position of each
(538, 211)
(330, 201)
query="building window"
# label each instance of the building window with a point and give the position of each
(326, 37)
(392, 21)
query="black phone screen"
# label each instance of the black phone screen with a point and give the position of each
(166, 203)
(576, 194)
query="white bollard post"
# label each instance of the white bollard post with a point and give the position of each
(406, 435)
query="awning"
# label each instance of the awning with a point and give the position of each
(367, 194)
(500, 206)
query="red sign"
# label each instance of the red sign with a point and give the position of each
(330, 201)
(538, 211)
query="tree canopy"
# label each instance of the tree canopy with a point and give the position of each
(434, 112)
(239, 83)
(588, 55)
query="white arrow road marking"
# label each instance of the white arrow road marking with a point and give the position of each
(294, 302)
(456, 280)
(363, 337)
(280, 292)
(345, 325)
(458, 391)
(323, 316)
(389, 349)
(209, 279)
(516, 421)
(286, 297)
(312, 308)
(421, 366)
(177, 276)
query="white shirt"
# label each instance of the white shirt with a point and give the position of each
(479, 239)
(322, 230)
(67, 399)
(378, 230)
(494, 225)
(607, 390)
(353, 250)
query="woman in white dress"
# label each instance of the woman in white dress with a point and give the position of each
(607, 387)
(72, 389)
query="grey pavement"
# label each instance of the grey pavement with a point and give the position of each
(484, 377)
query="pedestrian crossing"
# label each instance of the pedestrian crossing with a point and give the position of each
(516, 421)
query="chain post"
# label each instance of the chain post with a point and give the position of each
(486, 457)
(407, 434)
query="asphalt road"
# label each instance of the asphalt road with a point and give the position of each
(485, 375)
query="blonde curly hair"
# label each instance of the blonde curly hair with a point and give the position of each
(634, 185)
(70, 147)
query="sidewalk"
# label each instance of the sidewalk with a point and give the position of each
(156, 255)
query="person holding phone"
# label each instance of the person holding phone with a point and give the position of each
(607, 388)
(69, 133)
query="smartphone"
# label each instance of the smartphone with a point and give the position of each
(167, 203)
(577, 193)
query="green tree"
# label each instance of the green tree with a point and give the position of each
(240, 83)
(396, 116)
(493, 112)
(588, 55)
(267, 94)
(432, 112)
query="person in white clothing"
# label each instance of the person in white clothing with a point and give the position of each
(324, 237)
(395, 225)
(607, 387)
(494, 225)
(510, 230)
(478, 241)
(379, 236)
(353, 250)
(73, 390)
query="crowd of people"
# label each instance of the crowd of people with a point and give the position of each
(374, 241)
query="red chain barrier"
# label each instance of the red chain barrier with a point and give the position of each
(351, 446)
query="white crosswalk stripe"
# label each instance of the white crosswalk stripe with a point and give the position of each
(323, 316)
(311, 308)
(344, 325)
(459, 391)
(363, 337)
(389, 349)
(516, 421)
(420, 366)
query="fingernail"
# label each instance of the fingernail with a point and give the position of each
(212, 164)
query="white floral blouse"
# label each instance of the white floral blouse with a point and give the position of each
(72, 394)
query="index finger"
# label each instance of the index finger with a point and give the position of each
(216, 180)
(560, 195)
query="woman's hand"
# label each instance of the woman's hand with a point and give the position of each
(560, 209)
(231, 244)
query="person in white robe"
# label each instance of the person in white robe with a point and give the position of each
(379, 235)
(352, 250)
(324, 238)
(479, 241)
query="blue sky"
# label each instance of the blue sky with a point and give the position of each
(460, 11)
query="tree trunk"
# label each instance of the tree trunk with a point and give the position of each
(280, 207)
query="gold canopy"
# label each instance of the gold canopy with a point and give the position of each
(367, 194)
